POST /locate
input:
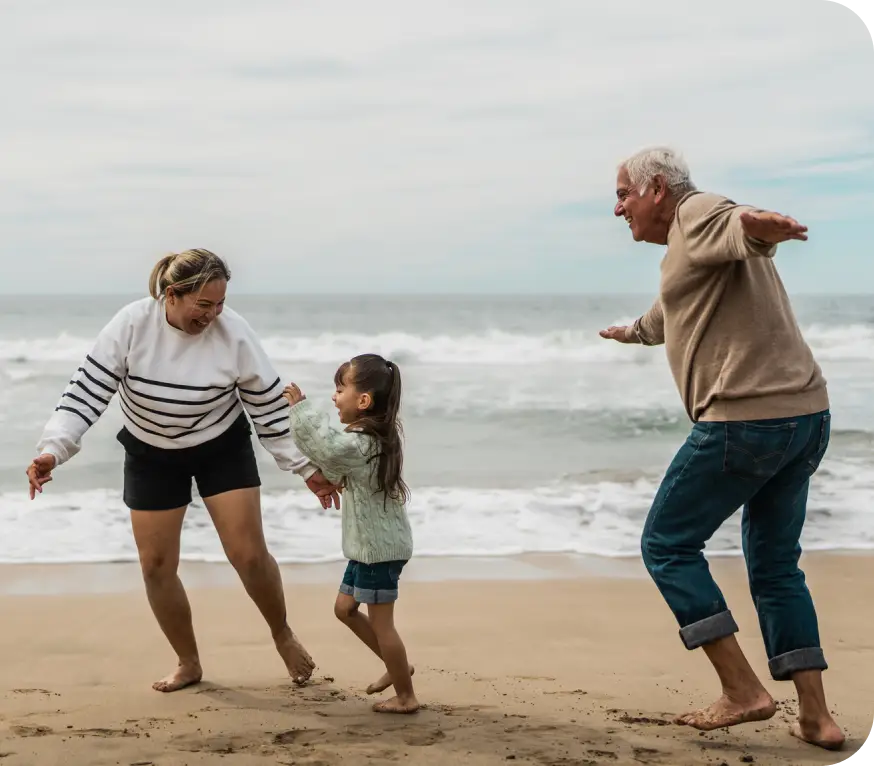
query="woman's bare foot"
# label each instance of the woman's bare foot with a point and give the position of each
(185, 675)
(726, 712)
(397, 705)
(384, 682)
(823, 733)
(297, 659)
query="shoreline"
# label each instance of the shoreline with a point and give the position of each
(125, 577)
(25, 579)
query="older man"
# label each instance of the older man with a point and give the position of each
(759, 405)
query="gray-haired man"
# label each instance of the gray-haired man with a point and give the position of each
(760, 410)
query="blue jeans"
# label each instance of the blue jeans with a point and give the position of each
(764, 466)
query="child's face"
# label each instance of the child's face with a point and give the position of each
(351, 404)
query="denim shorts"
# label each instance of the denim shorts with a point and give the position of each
(372, 583)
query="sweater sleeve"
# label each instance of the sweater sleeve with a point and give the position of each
(89, 391)
(260, 392)
(336, 451)
(714, 234)
(649, 329)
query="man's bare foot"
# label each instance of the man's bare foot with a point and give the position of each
(184, 675)
(725, 712)
(297, 659)
(397, 705)
(384, 682)
(823, 733)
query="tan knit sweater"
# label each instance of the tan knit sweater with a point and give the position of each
(733, 344)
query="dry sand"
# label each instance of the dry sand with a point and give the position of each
(554, 672)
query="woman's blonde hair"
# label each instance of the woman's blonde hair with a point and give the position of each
(186, 272)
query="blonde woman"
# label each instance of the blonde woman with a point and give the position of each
(187, 370)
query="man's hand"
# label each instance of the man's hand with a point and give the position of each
(620, 334)
(39, 472)
(324, 490)
(772, 227)
(293, 395)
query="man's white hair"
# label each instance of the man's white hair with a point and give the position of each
(663, 161)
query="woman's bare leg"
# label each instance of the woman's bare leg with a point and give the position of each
(157, 535)
(237, 518)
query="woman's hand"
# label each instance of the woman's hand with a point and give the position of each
(293, 395)
(39, 472)
(324, 490)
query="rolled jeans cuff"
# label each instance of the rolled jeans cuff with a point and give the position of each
(708, 630)
(784, 666)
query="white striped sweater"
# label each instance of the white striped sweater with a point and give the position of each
(175, 390)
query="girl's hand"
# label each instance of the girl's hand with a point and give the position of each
(293, 395)
(39, 472)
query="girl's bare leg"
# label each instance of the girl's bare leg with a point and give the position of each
(346, 610)
(394, 654)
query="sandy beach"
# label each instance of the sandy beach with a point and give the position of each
(549, 662)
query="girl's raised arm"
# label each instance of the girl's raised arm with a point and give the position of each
(336, 451)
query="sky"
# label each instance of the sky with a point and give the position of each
(400, 147)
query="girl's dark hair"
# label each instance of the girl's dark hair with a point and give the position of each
(371, 374)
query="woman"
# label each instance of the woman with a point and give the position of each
(185, 368)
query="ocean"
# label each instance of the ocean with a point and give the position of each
(525, 431)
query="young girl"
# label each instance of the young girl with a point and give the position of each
(367, 457)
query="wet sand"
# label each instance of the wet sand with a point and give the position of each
(549, 661)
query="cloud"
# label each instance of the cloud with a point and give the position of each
(448, 139)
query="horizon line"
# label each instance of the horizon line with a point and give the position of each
(412, 294)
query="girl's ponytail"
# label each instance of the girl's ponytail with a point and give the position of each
(372, 374)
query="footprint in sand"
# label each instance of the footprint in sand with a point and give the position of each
(99, 732)
(642, 720)
(645, 754)
(36, 691)
(417, 738)
(300, 737)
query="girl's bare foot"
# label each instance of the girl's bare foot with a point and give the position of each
(726, 712)
(297, 659)
(384, 682)
(397, 705)
(186, 674)
(823, 733)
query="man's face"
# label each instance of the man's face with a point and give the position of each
(639, 209)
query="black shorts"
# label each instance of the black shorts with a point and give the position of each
(160, 479)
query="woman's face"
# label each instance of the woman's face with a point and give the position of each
(195, 311)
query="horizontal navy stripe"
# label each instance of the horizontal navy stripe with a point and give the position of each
(183, 433)
(89, 391)
(74, 411)
(274, 436)
(127, 404)
(82, 401)
(178, 401)
(178, 385)
(103, 369)
(272, 412)
(265, 391)
(272, 422)
(95, 381)
(262, 404)
(131, 402)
